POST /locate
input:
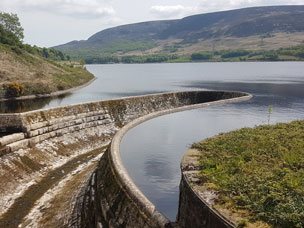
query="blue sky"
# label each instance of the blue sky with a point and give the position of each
(52, 22)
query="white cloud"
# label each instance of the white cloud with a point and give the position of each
(217, 5)
(75, 8)
(169, 11)
(204, 6)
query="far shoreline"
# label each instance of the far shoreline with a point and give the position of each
(227, 61)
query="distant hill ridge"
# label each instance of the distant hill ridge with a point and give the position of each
(237, 24)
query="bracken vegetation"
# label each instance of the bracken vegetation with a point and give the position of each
(258, 170)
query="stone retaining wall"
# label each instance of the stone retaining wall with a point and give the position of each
(111, 198)
(195, 209)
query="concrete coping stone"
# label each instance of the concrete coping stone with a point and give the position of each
(125, 180)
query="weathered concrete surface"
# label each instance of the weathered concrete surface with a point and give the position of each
(58, 141)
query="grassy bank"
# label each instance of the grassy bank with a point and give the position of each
(23, 71)
(258, 173)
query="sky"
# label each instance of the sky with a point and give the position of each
(48, 23)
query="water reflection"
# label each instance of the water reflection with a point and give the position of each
(18, 106)
(158, 168)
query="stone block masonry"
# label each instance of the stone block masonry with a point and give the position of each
(110, 198)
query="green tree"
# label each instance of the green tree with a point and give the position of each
(8, 37)
(10, 22)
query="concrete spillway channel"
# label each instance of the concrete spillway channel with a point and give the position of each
(60, 167)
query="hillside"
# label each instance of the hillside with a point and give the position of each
(257, 28)
(30, 70)
(24, 73)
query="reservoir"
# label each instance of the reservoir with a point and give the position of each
(152, 151)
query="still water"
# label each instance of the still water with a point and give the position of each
(153, 150)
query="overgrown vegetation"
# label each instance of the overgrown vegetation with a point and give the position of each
(258, 170)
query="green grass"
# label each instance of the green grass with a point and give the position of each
(260, 170)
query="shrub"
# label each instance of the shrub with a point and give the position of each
(14, 89)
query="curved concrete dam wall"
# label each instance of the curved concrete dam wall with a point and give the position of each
(109, 198)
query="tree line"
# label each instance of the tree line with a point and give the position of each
(153, 58)
(291, 53)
